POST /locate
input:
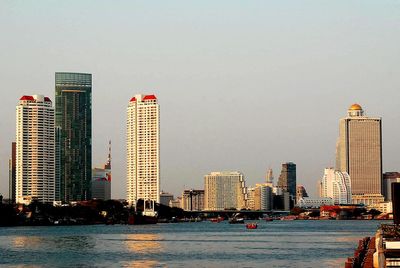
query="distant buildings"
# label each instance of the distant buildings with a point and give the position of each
(336, 185)
(388, 179)
(101, 179)
(165, 198)
(269, 177)
(12, 173)
(35, 170)
(359, 153)
(224, 190)
(287, 179)
(74, 136)
(193, 200)
(143, 149)
(176, 203)
(300, 193)
(308, 202)
(263, 197)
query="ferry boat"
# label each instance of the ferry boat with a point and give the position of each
(216, 220)
(236, 220)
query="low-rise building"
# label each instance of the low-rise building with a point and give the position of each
(165, 198)
(308, 202)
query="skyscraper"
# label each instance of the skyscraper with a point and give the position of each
(143, 149)
(74, 136)
(35, 174)
(359, 153)
(224, 190)
(287, 178)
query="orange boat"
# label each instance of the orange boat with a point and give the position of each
(251, 226)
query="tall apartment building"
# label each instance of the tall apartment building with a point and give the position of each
(287, 179)
(143, 149)
(359, 153)
(224, 190)
(336, 185)
(193, 200)
(74, 136)
(35, 173)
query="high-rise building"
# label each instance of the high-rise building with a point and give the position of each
(12, 173)
(287, 178)
(101, 179)
(336, 185)
(224, 190)
(388, 179)
(74, 136)
(263, 197)
(143, 149)
(193, 200)
(35, 174)
(359, 153)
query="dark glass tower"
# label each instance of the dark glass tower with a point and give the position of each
(287, 179)
(73, 136)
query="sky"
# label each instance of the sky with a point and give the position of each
(242, 85)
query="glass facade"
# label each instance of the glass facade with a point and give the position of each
(74, 136)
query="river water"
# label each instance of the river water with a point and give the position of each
(204, 244)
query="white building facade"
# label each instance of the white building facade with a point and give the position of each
(336, 185)
(143, 149)
(224, 190)
(35, 146)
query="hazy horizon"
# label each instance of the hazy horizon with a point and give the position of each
(242, 86)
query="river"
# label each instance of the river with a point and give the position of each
(203, 244)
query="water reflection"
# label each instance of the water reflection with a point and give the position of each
(143, 243)
(26, 241)
(142, 264)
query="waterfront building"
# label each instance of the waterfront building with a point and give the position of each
(35, 171)
(336, 185)
(308, 202)
(74, 136)
(287, 178)
(263, 197)
(176, 203)
(384, 207)
(193, 200)
(250, 198)
(388, 179)
(224, 190)
(12, 173)
(282, 200)
(359, 153)
(143, 149)
(300, 193)
(101, 179)
(165, 198)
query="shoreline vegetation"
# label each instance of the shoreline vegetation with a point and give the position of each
(115, 212)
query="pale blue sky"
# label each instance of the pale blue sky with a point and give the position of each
(242, 85)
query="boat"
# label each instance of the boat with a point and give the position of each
(147, 216)
(251, 226)
(269, 219)
(216, 220)
(236, 220)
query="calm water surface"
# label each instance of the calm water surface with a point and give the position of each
(205, 244)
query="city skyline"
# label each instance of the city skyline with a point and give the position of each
(293, 83)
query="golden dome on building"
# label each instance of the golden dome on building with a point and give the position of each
(355, 107)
